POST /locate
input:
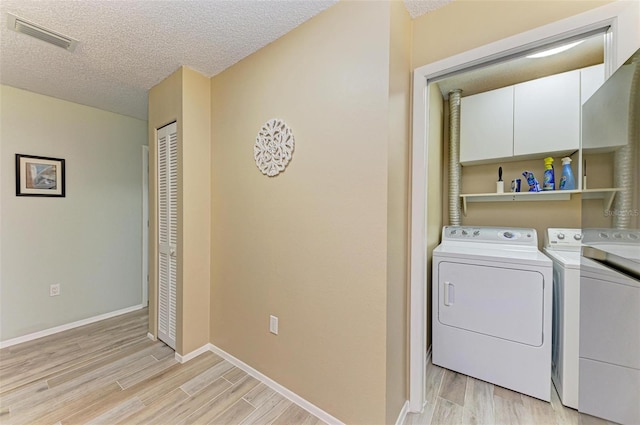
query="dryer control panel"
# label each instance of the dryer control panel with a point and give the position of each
(505, 235)
(563, 239)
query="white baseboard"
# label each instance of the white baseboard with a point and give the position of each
(151, 336)
(61, 328)
(192, 355)
(402, 417)
(310, 407)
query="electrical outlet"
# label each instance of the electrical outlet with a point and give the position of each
(273, 325)
(54, 290)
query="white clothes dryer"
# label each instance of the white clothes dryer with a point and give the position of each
(563, 247)
(492, 299)
(609, 326)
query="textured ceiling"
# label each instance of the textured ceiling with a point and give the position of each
(128, 46)
(420, 7)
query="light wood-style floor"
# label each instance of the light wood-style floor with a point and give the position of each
(109, 373)
(453, 399)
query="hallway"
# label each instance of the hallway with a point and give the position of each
(109, 372)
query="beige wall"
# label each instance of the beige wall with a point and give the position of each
(196, 210)
(466, 24)
(397, 210)
(310, 245)
(184, 97)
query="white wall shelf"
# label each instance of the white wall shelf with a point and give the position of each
(553, 195)
(606, 194)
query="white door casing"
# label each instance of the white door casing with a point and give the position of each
(622, 18)
(167, 232)
(145, 225)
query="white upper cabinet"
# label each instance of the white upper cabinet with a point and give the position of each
(606, 117)
(530, 119)
(591, 79)
(547, 115)
(486, 125)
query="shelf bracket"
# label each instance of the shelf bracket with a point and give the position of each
(608, 199)
(464, 206)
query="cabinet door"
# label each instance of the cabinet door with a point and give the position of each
(605, 118)
(547, 115)
(486, 125)
(591, 79)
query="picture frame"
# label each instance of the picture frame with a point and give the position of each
(40, 176)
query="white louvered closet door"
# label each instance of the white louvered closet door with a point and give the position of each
(167, 232)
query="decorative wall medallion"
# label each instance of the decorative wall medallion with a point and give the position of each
(274, 147)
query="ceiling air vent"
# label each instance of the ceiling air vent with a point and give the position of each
(41, 33)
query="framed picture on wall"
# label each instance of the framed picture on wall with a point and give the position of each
(39, 176)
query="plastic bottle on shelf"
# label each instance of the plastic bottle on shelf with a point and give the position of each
(534, 186)
(567, 182)
(549, 180)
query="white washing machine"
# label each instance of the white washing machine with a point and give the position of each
(563, 247)
(610, 325)
(492, 298)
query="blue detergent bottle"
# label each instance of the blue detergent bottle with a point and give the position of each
(567, 182)
(549, 181)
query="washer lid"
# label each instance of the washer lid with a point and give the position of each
(594, 270)
(624, 258)
(568, 259)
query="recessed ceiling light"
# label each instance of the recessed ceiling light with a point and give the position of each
(555, 50)
(41, 33)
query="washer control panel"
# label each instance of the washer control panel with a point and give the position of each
(563, 239)
(617, 236)
(508, 235)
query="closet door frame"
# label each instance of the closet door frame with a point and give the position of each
(167, 204)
